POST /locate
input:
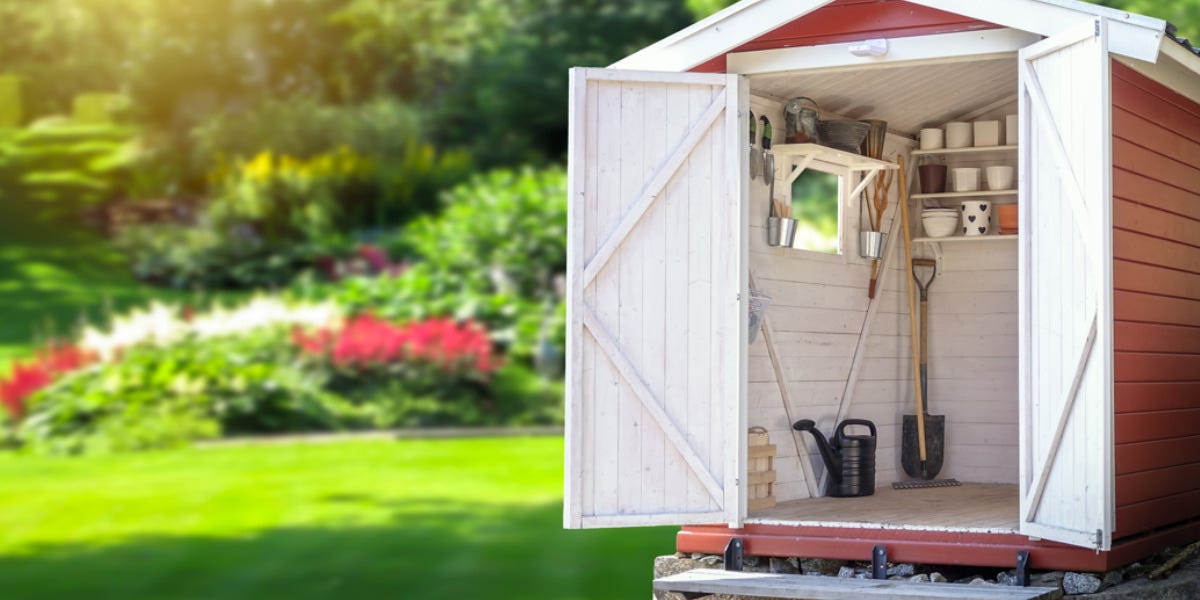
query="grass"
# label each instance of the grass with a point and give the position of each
(476, 519)
(54, 273)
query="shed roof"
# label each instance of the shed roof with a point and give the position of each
(1135, 36)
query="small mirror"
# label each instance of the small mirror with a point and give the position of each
(816, 206)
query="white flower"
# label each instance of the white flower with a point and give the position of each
(160, 325)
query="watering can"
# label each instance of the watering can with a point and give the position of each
(849, 459)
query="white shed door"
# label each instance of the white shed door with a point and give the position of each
(1066, 409)
(656, 280)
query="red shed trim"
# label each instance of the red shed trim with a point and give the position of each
(929, 547)
(780, 23)
(852, 20)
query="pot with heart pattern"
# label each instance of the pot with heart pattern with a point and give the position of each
(976, 217)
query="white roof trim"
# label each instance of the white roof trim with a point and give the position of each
(717, 34)
(1131, 35)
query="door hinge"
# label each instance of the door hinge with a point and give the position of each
(1099, 540)
(1097, 28)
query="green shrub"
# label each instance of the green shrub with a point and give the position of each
(492, 255)
(155, 397)
(406, 173)
(504, 230)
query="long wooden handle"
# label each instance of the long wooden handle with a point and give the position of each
(912, 308)
(924, 332)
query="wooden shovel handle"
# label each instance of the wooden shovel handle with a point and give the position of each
(912, 309)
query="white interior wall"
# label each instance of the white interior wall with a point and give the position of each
(818, 311)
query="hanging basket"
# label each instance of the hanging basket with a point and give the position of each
(843, 134)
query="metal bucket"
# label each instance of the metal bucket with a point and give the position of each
(870, 244)
(780, 231)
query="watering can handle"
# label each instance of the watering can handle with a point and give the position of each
(869, 425)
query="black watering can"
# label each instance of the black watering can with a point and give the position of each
(849, 459)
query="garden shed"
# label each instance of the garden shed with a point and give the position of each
(1063, 354)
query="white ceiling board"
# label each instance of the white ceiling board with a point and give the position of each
(907, 97)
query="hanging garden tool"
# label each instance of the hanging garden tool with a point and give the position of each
(755, 155)
(883, 188)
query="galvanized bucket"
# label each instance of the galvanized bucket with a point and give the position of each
(870, 244)
(781, 231)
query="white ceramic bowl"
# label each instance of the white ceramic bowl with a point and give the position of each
(940, 224)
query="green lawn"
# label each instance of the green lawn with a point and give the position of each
(55, 272)
(462, 519)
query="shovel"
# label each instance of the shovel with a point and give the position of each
(923, 460)
(921, 449)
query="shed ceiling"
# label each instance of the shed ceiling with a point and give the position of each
(907, 97)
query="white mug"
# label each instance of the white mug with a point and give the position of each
(976, 217)
(931, 139)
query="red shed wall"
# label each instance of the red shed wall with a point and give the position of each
(852, 20)
(1156, 275)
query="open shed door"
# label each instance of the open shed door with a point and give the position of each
(1066, 407)
(656, 324)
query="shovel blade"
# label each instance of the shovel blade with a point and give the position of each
(935, 446)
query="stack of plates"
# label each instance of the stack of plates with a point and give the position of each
(939, 222)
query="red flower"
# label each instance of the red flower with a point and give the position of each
(367, 342)
(29, 377)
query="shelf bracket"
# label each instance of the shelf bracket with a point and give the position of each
(798, 169)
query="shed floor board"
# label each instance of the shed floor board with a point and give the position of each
(974, 507)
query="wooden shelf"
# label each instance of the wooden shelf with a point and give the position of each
(833, 156)
(967, 150)
(977, 194)
(966, 238)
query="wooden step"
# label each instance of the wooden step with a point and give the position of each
(701, 582)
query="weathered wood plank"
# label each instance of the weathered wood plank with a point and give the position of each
(831, 588)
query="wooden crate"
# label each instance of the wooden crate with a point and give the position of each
(760, 470)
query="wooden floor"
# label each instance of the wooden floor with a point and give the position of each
(974, 507)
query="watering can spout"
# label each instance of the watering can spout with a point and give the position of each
(833, 464)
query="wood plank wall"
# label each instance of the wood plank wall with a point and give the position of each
(1156, 273)
(819, 303)
(818, 309)
(850, 20)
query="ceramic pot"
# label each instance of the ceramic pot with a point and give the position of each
(987, 133)
(976, 217)
(1000, 178)
(933, 178)
(966, 179)
(958, 134)
(932, 139)
(1008, 217)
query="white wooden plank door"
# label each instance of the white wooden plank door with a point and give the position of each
(657, 281)
(1066, 408)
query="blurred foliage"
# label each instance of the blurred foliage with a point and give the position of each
(815, 207)
(11, 109)
(491, 255)
(273, 215)
(509, 103)
(1184, 14)
(156, 397)
(254, 383)
(72, 165)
